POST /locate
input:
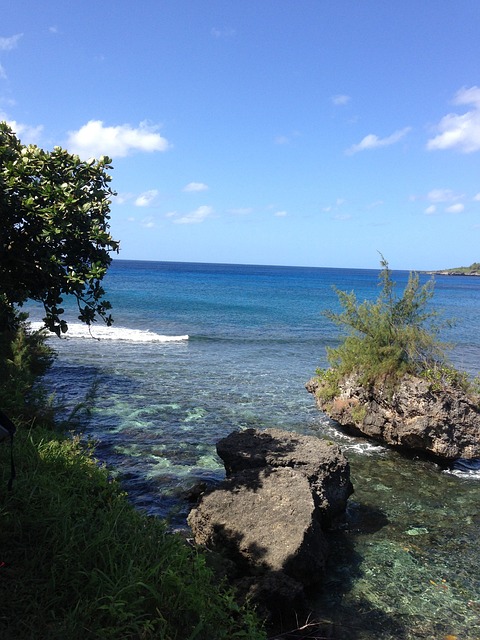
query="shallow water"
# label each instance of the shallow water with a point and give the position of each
(405, 564)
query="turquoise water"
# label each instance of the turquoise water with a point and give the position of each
(197, 351)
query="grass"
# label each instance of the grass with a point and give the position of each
(77, 561)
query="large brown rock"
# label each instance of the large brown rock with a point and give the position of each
(269, 515)
(414, 415)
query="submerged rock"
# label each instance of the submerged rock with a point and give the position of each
(413, 415)
(282, 490)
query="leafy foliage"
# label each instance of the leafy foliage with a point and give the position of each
(441, 376)
(389, 337)
(24, 357)
(54, 232)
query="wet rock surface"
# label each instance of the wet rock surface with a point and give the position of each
(414, 415)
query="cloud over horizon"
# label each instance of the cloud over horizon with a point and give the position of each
(27, 133)
(460, 131)
(146, 198)
(195, 186)
(95, 139)
(446, 197)
(455, 208)
(372, 141)
(194, 217)
(443, 195)
(7, 44)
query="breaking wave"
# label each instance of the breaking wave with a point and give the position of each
(81, 331)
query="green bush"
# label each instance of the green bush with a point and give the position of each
(389, 337)
(329, 388)
(359, 413)
(24, 358)
(442, 375)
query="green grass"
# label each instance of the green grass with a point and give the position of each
(77, 561)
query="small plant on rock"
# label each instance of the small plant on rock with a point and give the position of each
(388, 338)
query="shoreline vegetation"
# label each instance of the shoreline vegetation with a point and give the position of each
(472, 270)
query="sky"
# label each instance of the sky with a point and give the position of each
(283, 132)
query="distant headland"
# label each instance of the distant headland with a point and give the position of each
(472, 270)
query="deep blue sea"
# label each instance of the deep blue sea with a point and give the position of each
(199, 350)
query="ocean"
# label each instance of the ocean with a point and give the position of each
(199, 350)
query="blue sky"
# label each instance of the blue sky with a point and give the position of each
(294, 132)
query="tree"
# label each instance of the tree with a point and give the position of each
(389, 337)
(54, 232)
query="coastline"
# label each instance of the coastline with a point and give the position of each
(452, 272)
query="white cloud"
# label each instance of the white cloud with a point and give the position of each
(7, 44)
(195, 217)
(196, 186)
(372, 141)
(146, 198)
(477, 197)
(95, 139)
(280, 214)
(447, 197)
(442, 195)
(27, 133)
(122, 198)
(455, 208)
(460, 131)
(340, 100)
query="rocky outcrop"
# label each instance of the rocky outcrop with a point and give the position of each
(320, 461)
(282, 490)
(414, 415)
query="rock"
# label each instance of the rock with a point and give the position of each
(282, 489)
(414, 415)
(321, 461)
(277, 596)
(264, 520)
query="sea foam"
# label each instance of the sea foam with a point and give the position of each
(77, 330)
